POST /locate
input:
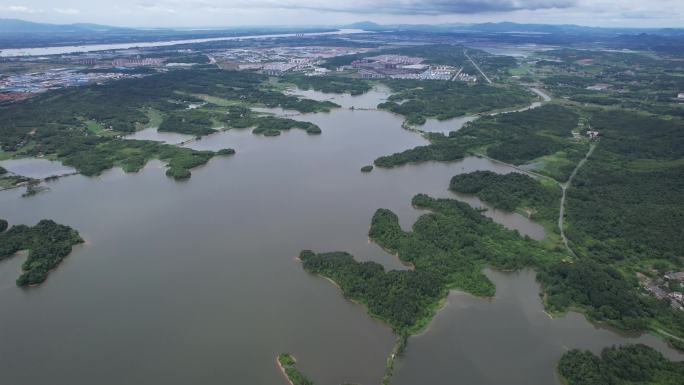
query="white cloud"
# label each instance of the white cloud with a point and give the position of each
(19, 9)
(157, 8)
(67, 11)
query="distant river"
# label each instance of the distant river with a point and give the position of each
(195, 282)
(40, 51)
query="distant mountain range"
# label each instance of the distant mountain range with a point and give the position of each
(16, 33)
(509, 27)
(23, 26)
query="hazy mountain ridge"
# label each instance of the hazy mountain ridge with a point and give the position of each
(23, 26)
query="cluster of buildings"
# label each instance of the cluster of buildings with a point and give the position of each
(593, 134)
(137, 62)
(406, 67)
(121, 62)
(276, 61)
(663, 289)
(29, 83)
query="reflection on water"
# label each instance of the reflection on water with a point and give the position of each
(369, 100)
(510, 220)
(37, 168)
(446, 126)
(151, 133)
(506, 340)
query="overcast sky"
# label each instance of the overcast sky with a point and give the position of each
(215, 13)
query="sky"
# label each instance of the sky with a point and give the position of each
(227, 13)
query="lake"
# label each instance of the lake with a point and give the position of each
(196, 282)
(37, 168)
(151, 133)
(506, 340)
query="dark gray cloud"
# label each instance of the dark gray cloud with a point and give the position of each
(195, 13)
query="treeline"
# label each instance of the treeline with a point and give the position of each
(48, 244)
(606, 296)
(516, 137)
(624, 365)
(441, 148)
(448, 248)
(418, 100)
(91, 155)
(272, 126)
(523, 136)
(399, 298)
(510, 192)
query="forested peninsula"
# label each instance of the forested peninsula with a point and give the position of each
(85, 127)
(48, 243)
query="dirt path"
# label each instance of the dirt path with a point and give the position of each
(564, 188)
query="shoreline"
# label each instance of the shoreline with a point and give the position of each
(282, 369)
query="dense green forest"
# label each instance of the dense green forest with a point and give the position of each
(190, 122)
(516, 137)
(48, 244)
(289, 365)
(624, 365)
(448, 248)
(511, 192)
(418, 100)
(625, 202)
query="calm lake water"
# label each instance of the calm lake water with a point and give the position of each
(196, 282)
(370, 99)
(446, 126)
(38, 168)
(505, 340)
(151, 133)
